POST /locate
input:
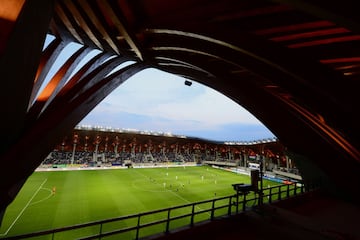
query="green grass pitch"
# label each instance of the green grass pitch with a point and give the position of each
(91, 195)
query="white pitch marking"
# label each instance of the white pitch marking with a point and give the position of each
(22, 211)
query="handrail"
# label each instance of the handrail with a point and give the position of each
(233, 201)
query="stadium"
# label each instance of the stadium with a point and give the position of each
(294, 65)
(179, 170)
(91, 145)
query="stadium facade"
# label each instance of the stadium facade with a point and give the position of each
(99, 146)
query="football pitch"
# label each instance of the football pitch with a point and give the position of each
(55, 199)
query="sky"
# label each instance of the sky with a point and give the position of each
(153, 100)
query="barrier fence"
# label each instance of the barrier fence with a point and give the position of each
(145, 224)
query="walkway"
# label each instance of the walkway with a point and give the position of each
(313, 216)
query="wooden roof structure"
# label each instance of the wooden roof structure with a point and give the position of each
(295, 65)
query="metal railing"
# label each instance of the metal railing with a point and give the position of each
(145, 224)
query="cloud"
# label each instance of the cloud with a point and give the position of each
(209, 107)
(191, 128)
(153, 93)
(153, 100)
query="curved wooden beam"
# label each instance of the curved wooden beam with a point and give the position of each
(48, 58)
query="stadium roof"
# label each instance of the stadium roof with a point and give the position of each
(169, 135)
(293, 64)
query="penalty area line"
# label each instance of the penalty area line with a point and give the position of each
(44, 199)
(22, 211)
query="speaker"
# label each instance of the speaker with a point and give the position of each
(188, 83)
